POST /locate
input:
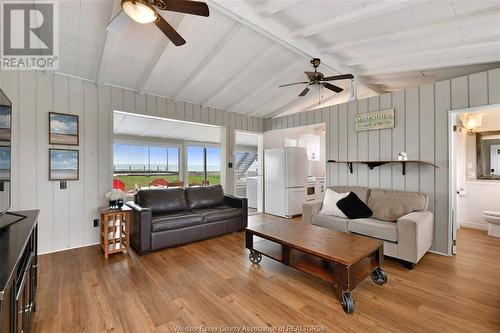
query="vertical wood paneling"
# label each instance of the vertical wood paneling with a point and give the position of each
(412, 138)
(363, 147)
(427, 141)
(105, 139)
(352, 142)
(333, 135)
(180, 110)
(310, 117)
(460, 92)
(443, 100)
(61, 204)
(494, 86)
(188, 112)
(27, 137)
(398, 138)
(343, 143)
(151, 105)
(45, 189)
(117, 98)
(386, 145)
(171, 111)
(478, 89)
(161, 107)
(128, 101)
(374, 145)
(91, 160)
(76, 230)
(140, 104)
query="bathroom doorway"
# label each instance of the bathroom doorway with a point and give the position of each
(474, 136)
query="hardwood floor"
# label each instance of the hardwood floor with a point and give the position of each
(212, 283)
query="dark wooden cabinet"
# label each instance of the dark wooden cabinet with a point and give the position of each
(18, 273)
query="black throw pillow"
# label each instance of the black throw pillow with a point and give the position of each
(353, 207)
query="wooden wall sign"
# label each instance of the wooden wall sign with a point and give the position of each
(375, 120)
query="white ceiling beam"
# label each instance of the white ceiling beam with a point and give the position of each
(353, 16)
(237, 33)
(246, 15)
(283, 74)
(242, 75)
(273, 6)
(106, 47)
(395, 57)
(161, 54)
(430, 65)
(414, 32)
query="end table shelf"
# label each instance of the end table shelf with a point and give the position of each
(115, 230)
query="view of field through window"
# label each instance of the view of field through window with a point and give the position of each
(137, 166)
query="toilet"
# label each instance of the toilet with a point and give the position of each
(493, 219)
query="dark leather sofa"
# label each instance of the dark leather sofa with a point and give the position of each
(164, 218)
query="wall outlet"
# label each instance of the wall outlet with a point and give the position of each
(96, 223)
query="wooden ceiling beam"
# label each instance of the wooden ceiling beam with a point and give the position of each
(106, 56)
(272, 6)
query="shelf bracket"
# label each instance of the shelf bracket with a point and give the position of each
(349, 165)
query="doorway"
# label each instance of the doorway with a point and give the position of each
(474, 139)
(248, 168)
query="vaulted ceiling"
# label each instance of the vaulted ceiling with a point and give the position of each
(236, 58)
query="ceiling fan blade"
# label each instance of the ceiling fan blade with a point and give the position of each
(169, 31)
(332, 87)
(311, 75)
(187, 7)
(338, 77)
(304, 92)
(118, 22)
(292, 84)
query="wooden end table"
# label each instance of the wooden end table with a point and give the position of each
(341, 259)
(115, 230)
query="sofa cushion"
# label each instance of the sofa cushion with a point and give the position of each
(361, 192)
(375, 228)
(174, 221)
(204, 196)
(218, 213)
(390, 205)
(331, 222)
(330, 203)
(162, 201)
(353, 207)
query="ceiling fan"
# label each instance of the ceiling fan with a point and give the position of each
(146, 11)
(319, 79)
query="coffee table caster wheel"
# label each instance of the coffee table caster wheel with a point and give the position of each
(255, 257)
(347, 302)
(379, 277)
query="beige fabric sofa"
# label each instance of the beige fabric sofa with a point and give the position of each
(400, 219)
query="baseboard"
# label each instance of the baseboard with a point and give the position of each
(69, 248)
(440, 253)
(479, 226)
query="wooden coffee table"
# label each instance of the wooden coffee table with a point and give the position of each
(339, 258)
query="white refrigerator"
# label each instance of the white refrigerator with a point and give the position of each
(285, 180)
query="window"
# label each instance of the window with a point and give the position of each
(203, 164)
(138, 165)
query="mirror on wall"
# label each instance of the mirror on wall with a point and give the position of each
(488, 155)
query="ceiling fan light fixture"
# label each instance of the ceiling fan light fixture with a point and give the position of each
(139, 11)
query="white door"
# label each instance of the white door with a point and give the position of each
(296, 167)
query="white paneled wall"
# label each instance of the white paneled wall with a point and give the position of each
(421, 130)
(66, 215)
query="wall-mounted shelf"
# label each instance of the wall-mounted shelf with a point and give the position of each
(374, 164)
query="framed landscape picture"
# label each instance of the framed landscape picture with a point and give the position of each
(63, 164)
(63, 129)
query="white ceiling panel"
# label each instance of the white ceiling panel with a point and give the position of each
(126, 124)
(236, 58)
